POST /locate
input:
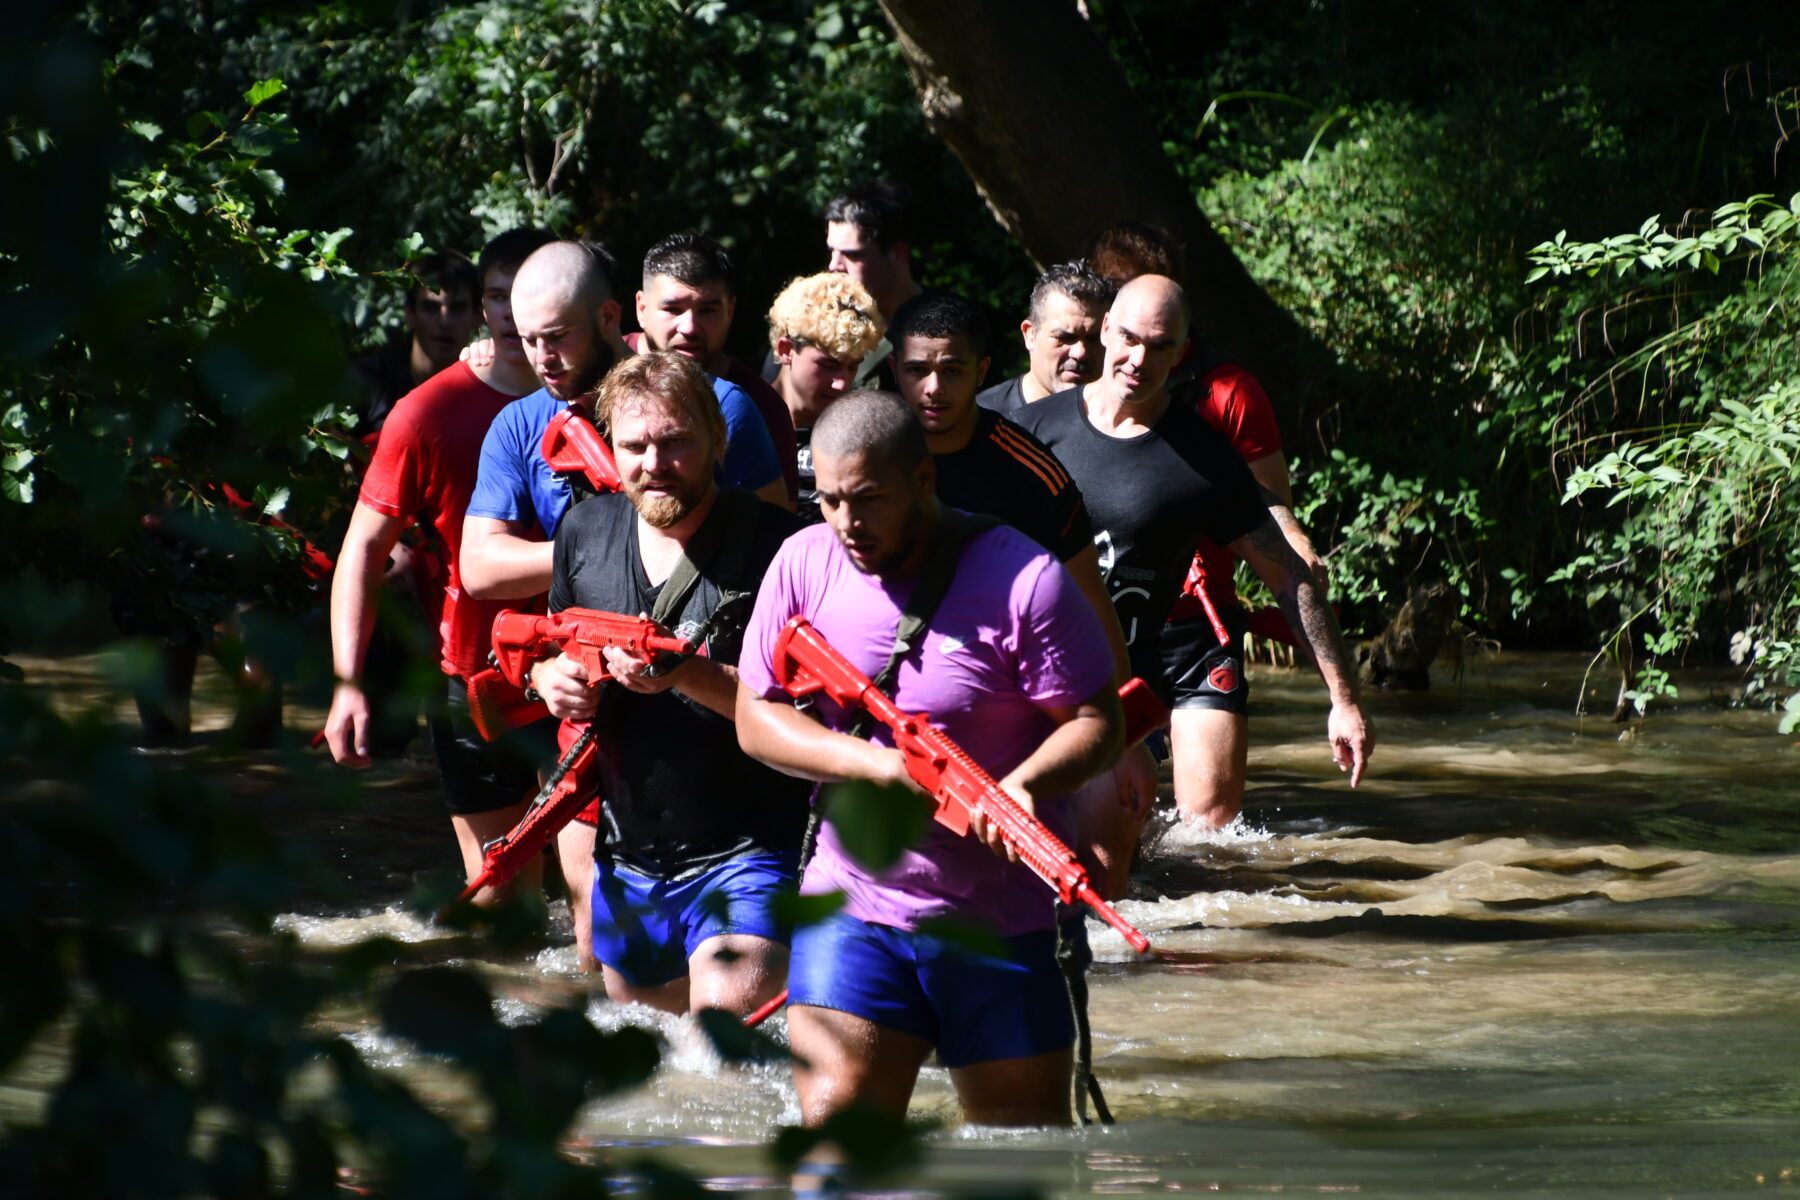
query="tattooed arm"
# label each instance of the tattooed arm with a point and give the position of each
(1302, 601)
(1271, 472)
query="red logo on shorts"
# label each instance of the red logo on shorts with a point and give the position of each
(1223, 678)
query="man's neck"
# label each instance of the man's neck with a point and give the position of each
(952, 440)
(1116, 417)
(799, 407)
(514, 379)
(904, 289)
(419, 363)
(915, 560)
(658, 549)
(1032, 388)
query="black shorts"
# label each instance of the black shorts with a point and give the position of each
(1201, 672)
(481, 776)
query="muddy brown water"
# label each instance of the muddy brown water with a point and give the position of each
(1533, 955)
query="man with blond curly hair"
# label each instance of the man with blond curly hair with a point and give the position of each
(821, 327)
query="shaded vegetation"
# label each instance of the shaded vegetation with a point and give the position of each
(1591, 436)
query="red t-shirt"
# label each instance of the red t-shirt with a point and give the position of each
(1231, 401)
(424, 469)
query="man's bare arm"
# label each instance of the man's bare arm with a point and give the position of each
(1275, 561)
(1084, 568)
(355, 592)
(777, 733)
(498, 562)
(1271, 472)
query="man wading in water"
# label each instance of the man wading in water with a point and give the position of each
(1015, 668)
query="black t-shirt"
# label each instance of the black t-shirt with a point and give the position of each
(1005, 472)
(807, 508)
(1151, 498)
(1005, 398)
(386, 374)
(679, 794)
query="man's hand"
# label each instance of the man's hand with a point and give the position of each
(634, 673)
(563, 683)
(980, 827)
(1135, 778)
(478, 353)
(1352, 739)
(347, 728)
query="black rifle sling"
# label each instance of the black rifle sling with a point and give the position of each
(955, 530)
(727, 535)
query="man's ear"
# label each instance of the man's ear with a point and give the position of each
(981, 370)
(640, 306)
(1026, 328)
(899, 253)
(784, 350)
(611, 311)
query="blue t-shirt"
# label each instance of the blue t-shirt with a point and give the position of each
(516, 484)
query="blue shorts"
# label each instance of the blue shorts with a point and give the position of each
(647, 928)
(974, 1008)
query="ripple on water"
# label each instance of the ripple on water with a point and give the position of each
(349, 929)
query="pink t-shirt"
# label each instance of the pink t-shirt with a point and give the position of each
(1012, 634)
(424, 469)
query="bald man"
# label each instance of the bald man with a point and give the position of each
(1157, 479)
(1014, 666)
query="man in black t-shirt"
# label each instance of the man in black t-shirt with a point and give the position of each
(1157, 478)
(987, 464)
(1062, 337)
(700, 837)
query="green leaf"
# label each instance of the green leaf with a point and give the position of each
(263, 90)
(148, 130)
(736, 1042)
(797, 911)
(875, 824)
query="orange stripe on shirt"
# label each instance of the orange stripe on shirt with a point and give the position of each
(1041, 461)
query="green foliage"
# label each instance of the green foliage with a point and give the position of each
(624, 122)
(173, 359)
(876, 824)
(1700, 522)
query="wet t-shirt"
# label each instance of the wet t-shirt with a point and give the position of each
(1152, 498)
(1012, 635)
(679, 794)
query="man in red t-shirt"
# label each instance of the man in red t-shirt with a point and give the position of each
(1209, 726)
(424, 469)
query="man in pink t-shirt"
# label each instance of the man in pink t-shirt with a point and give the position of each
(424, 470)
(1014, 667)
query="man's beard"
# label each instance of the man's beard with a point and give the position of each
(663, 512)
(581, 385)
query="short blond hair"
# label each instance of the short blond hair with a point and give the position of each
(661, 376)
(829, 310)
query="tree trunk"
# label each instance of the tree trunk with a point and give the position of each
(1030, 99)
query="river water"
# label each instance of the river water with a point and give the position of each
(1533, 955)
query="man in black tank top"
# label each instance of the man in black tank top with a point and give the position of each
(987, 464)
(1157, 478)
(701, 838)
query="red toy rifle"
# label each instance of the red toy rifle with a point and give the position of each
(521, 639)
(571, 443)
(806, 663)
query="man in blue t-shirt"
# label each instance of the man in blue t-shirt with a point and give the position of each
(568, 320)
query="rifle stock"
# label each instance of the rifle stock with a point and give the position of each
(571, 443)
